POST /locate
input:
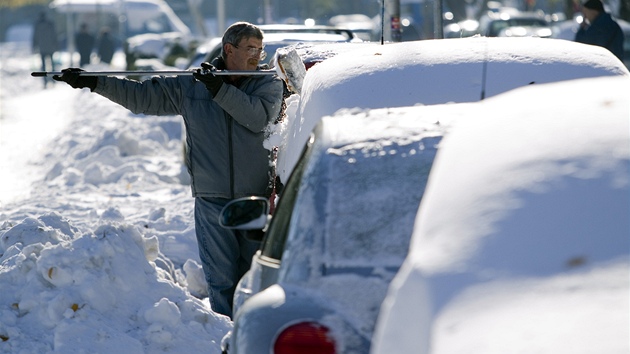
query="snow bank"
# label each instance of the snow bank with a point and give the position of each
(99, 255)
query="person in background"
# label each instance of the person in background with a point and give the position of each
(85, 44)
(45, 41)
(225, 119)
(599, 28)
(105, 49)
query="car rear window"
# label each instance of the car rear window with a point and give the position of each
(373, 195)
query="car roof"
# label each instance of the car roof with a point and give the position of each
(321, 29)
(525, 218)
(304, 37)
(448, 70)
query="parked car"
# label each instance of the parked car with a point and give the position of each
(521, 243)
(278, 36)
(360, 82)
(347, 33)
(359, 24)
(335, 240)
(150, 28)
(493, 23)
(525, 31)
(433, 72)
(461, 29)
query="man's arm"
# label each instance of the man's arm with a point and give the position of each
(157, 96)
(253, 111)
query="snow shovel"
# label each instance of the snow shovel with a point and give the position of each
(289, 68)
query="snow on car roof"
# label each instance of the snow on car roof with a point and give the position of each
(563, 132)
(433, 72)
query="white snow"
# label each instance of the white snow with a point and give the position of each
(521, 241)
(433, 72)
(97, 243)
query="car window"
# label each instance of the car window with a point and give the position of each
(357, 205)
(374, 195)
(276, 236)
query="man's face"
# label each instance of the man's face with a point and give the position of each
(245, 55)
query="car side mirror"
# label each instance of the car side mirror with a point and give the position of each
(249, 213)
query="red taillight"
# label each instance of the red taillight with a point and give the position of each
(304, 338)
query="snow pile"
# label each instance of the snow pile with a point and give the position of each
(66, 291)
(100, 254)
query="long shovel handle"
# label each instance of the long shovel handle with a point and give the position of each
(156, 72)
(290, 69)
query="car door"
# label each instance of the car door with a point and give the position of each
(266, 262)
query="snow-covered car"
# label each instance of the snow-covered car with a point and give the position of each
(521, 243)
(432, 72)
(338, 235)
(360, 81)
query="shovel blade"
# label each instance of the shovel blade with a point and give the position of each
(290, 68)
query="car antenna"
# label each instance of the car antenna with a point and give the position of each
(484, 72)
(382, 21)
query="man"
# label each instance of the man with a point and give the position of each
(225, 118)
(105, 46)
(598, 28)
(85, 44)
(45, 41)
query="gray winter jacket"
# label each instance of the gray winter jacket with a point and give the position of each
(224, 135)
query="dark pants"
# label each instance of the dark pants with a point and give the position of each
(226, 255)
(45, 56)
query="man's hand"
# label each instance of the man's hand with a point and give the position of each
(213, 82)
(72, 77)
